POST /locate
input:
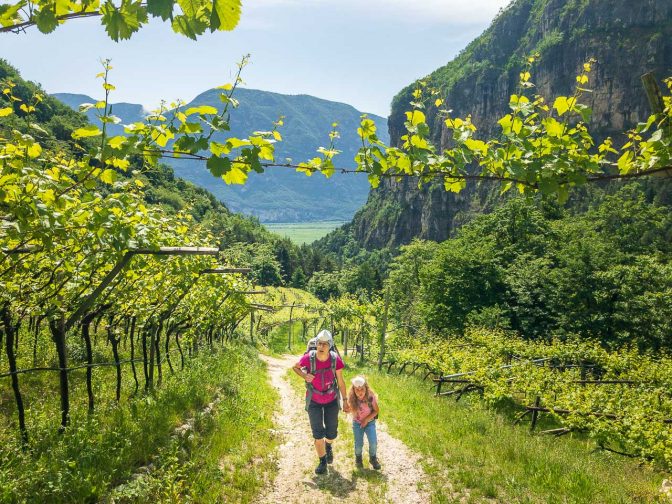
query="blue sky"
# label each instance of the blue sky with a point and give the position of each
(353, 51)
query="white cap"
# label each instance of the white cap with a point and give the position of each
(358, 381)
(323, 335)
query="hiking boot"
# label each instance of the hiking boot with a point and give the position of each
(322, 466)
(374, 463)
(359, 462)
(330, 453)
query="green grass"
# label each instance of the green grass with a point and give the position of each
(303, 232)
(224, 459)
(277, 342)
(480, 452)
(227, 457)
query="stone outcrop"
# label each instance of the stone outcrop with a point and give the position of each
(626, 38)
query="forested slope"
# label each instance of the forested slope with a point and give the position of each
(627, 39)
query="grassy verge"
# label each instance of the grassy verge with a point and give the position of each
(226, 456)
(480, 453)
(102, 451)
(277, 343)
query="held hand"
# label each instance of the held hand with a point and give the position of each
(346, 407)
(309, 377)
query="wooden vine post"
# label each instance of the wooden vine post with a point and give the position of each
(289, 333)
(535, 413)
(381, 354)
(252, 326)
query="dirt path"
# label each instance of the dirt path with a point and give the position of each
(399, 481)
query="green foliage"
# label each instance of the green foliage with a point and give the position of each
(460, 279)
(601, 274)
(324, 285)
(473, 452)
(189, 18)
(632, 416)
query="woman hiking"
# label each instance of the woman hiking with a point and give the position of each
(322, 369)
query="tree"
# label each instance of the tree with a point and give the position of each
(298, 279)
(324, 285)
(461, 278)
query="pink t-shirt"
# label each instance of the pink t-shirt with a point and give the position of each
(363, 411)
(323, 380)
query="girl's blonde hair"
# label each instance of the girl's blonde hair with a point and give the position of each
(353, 400)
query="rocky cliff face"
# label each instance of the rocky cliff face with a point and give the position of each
(628, 38)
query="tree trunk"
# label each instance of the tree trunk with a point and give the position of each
(9, 331)
(146, 329)
(152, 351)
(381, 354)
(114, 341)
(169, 331)
(36, 331)
(57, 328)
(252, 327)
(157, 340)
(132, 341)
(179, 349)
(86, 336)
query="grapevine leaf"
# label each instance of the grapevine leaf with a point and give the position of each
(161, 8)
(235, 176)
(225, 15)
(191, 8)
(189, 27)
(86, 131)
(415, 117)
(116, 142)
(46, 20)
(218, 166)
(9, 13)
(203, 109)
(122, 22)
(561, 105)
(34, 150)
(108, 176)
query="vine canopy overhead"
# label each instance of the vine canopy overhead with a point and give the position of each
(123, 18)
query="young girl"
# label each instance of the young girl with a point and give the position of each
(363, 403)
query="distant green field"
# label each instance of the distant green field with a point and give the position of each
(303, 232)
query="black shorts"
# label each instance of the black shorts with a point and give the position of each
(324, 419)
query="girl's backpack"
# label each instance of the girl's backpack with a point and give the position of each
(369, 401)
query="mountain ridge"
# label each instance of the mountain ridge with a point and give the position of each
(280, 194)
